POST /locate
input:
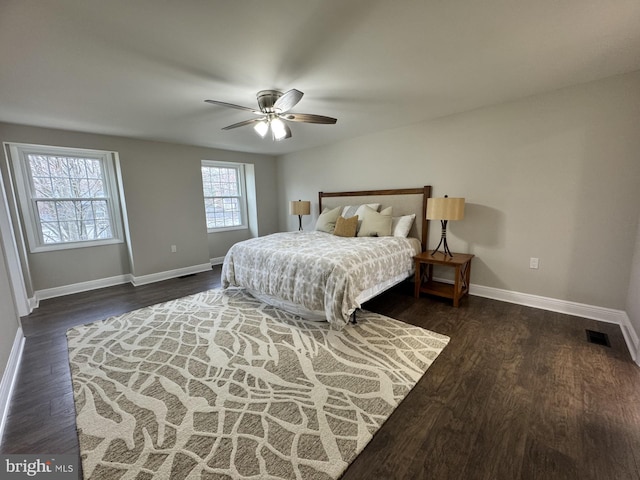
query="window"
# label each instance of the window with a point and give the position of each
(225, 204)
(68, 196)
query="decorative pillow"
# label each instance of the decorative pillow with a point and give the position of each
(353, 210)
(376, 224)
(346, 227)
(400, 226)
(327, 220)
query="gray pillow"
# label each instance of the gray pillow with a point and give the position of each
(327, 220)
(376, 224)
(353, 210)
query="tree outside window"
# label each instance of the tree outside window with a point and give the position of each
(224, 198)
(68, 195)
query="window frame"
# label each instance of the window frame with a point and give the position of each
(240, 171)
(28, 201)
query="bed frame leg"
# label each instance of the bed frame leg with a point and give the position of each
(353, 318)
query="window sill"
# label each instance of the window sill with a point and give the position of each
(73, 245)
(227, 229)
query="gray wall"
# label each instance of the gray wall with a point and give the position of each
(164, 203)
(553, 176)
(8, 314)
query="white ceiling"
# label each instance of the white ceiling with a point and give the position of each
(143, 68)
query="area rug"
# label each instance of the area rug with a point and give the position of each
(220, 386)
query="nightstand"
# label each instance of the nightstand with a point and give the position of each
(424, 275)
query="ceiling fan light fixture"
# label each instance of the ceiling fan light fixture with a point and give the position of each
(261, 128)
(278, 129)
(273, 112)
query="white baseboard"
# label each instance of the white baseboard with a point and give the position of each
(9, 377)
(631, 337)
(217, 261)
(117, 280)
(77, 288)
(157, 277)
(602, 314)
(33, 303)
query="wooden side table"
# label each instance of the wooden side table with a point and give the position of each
(424, 276)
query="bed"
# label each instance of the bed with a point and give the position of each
(320, 276)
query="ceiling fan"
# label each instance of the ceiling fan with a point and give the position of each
(274, 108)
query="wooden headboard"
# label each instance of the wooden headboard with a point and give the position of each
(404, 201)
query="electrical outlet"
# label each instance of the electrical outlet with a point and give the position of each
(534, 262)
(174, 249)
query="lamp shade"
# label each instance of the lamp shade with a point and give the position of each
(445, 208)
(300, 207)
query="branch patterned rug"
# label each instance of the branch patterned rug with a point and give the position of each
(220, 386)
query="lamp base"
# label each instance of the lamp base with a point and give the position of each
(299, 223)
(443, 240)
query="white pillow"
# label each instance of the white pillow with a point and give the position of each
(327, 220)
(400, 226)
(353, 210)
(376, 224)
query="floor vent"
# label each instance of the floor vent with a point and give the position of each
(598, 338)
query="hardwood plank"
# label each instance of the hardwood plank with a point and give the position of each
(543, 463)
(505, 410)
(551, 370)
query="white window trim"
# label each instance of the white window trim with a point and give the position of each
(24, 187)
(243, 194)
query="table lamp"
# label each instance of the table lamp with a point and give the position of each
(300, 208)
(445, 209)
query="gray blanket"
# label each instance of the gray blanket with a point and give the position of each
(319, 271)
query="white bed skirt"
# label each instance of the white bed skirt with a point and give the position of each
(319, 315)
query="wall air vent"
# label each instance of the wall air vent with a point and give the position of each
(598, 338)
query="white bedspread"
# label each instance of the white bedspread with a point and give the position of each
(319, 271)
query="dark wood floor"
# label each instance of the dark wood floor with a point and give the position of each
(517, 394)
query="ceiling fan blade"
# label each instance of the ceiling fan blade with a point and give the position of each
(309, 118)
(287, 101)
(242, 124)
(232, 105)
